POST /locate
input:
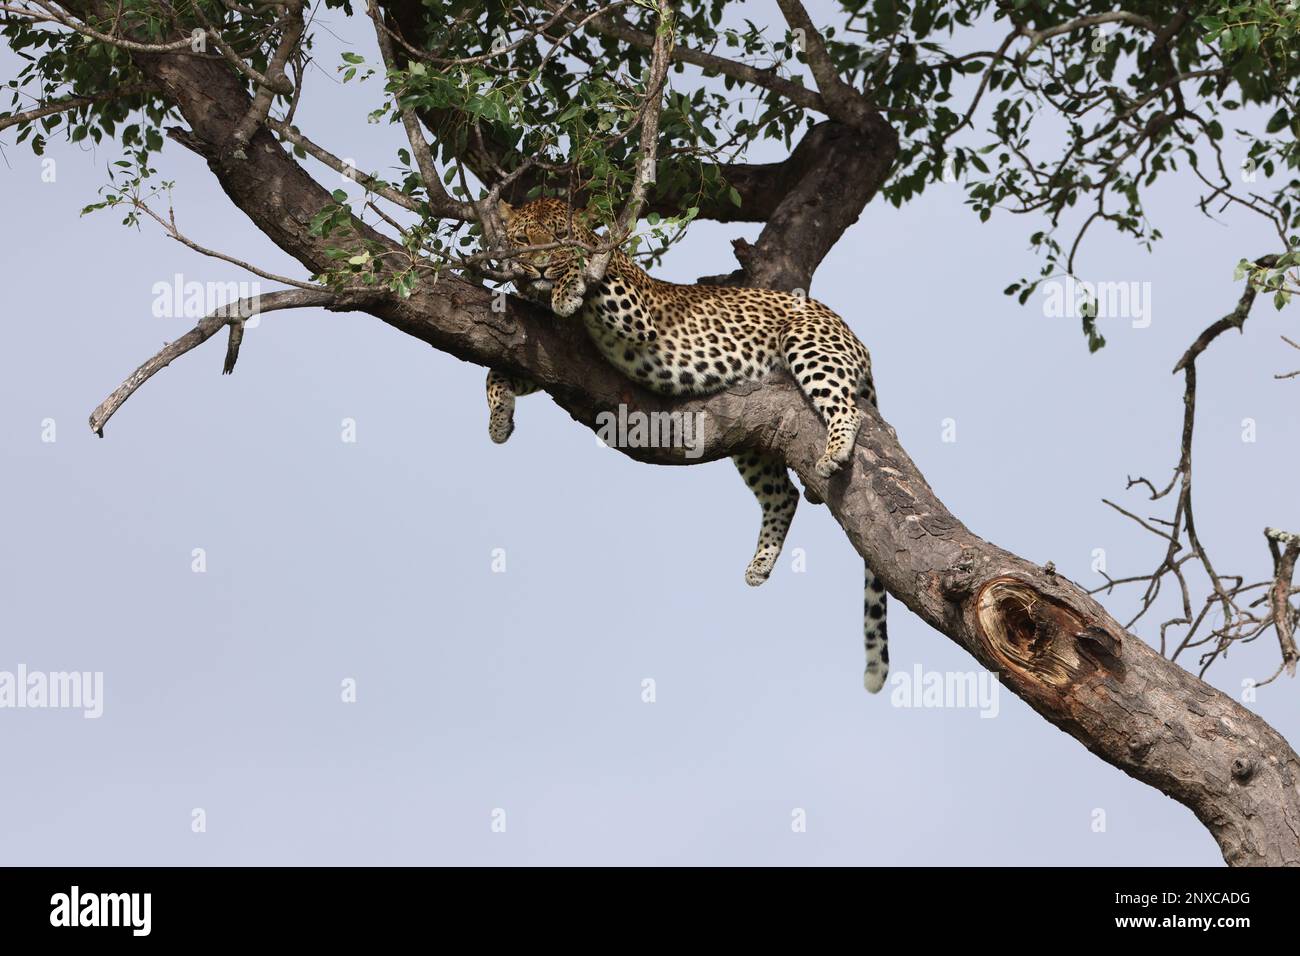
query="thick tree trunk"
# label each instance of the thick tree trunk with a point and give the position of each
(1050, 643)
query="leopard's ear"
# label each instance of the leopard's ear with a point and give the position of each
(505, 209)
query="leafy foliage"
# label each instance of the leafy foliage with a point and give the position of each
(1067, 111)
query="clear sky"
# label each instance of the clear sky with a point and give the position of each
(522, 691)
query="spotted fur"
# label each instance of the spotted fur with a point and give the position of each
(698, 339)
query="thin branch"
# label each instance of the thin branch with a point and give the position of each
(229, 314)
(767, 79)
(660, 58)
(1233, 320)
(530, 32)
(1285, 548)
(277, 79)
(1036, 37)
(277, 84)
(1297, 371)
(169, 226)
(376, 186)
(71, 103)
(174, 46)
(441, 203)
(1238, 624)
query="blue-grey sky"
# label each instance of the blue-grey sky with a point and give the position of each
(522, 691)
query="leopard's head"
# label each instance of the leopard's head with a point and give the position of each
(544, 222)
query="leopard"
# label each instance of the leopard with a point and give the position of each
(693, 340)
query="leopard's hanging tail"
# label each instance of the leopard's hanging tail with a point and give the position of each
(874, 634)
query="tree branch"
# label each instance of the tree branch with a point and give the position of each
(70, 103)
(277, 77)
(843, 102)
(1229, 594)
(837, 172)
(649, 146)
(319, 153)
(233, 314)
(1037, 37)
(619, 29)
(1285, 548)
(441, 203)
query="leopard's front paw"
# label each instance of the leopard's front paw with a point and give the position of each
(827, 466)
(501, 411)
(760, 569)
(500, 428)
(567, 296)
(566, 303)
(833, 458)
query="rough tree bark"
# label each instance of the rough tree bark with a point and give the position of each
(1049, 642)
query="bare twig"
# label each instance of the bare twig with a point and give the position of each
(1297, 371)
(232, 314)
(1238, 622)
(169, 226)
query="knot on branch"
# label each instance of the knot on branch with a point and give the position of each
(1140, 746)
(1243, 768)
(1040, 637)
(960, 578)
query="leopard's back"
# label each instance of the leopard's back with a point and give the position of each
(696, 339)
